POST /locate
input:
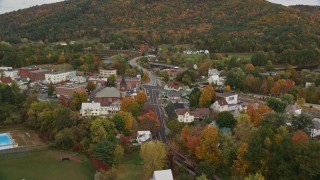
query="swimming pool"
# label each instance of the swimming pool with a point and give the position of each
(6, 141)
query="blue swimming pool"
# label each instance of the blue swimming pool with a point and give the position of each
(5, 141)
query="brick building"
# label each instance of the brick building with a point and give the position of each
(105, 73)
(23, 72)
(129, 82)
(109, 95)
(37, 75)
(68, 90)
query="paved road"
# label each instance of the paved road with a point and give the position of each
(154, 90)
(154, 80)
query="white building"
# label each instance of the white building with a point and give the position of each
(5, 68)
(143, 136)
(294, 109)
(11, 73)
(105, 73)
(315, 129)
(57, 77)
(78, 79)
(213, 79)
(95, 109)
(227, 102)
(185, 115)
(162, 175)
(212, 72)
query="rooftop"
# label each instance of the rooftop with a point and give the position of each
(163, 175)
(39, 71)
(108, 92)
(225, 94)
(90, 106)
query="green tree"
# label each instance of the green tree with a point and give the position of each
(50, 89)
(104, 151)
(226, 119)
(175, 126)
(78, 98)
(118, 155)
(112, 81)
(194, 97)
(256, 176)
(235, 78)
(154, 155)
(301, 122)
(277, 105)
(288, 98)
(101, 130)
(206, 168)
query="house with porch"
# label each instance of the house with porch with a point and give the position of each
(187, 115)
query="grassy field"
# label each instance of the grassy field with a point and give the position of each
(56, 67)
(131, 168)
(46, 164)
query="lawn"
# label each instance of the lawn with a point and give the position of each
(45, 164)
(130, 168)
(56, 67)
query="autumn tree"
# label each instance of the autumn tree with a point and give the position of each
(256, 176)
(300, 137)
(78, 98)
(123, 122)
(154, 155)
(206, 97)
(141, 97)
(149, 121)
(118, 154)
(208, 148)
(145, 77)
(249, 68)
(227, 89)
(100, 130)
(240, 165)
(244, 130)
(91, 86)
(191, 136)
(129, 104)
(256, 112)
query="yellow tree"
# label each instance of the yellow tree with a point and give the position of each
(145, 77)
(244, 130)
(207, 95)
(128, 119)
(78, 98)
(141, 97)
(129, 104)
(256, 111)
(227, 89)
(61, 59)
(240, 165)
(208, 148)
(154, 155)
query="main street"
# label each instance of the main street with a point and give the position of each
(154, 90)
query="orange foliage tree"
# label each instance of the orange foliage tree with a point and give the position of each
(207, 95)
(240, 165)
(256, 111)
(208, 148)
(149, 121)
(191, 136)
(129, 104)
(299, 137)
(141, 97)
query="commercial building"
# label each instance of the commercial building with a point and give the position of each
(128, 82)
(57, 77)
(105, 73)
(109, 95)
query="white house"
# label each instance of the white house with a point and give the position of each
(105, 73)
(294, 109)
(11, 73)
(95, 109)
(206, 51)
(90, 109)
(57, 77)
(186, 115)
(226, 102)
(195, 67)
(162, 175)
(143, 136)
(315, 129)
(214, 79)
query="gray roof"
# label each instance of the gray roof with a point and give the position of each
(316, 123)
(225, 94)
(91, 106)
(108, 92)
(39, 71)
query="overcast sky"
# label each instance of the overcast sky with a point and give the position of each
(11, 5)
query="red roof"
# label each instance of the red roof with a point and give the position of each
(6, 80)
(222, 102)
